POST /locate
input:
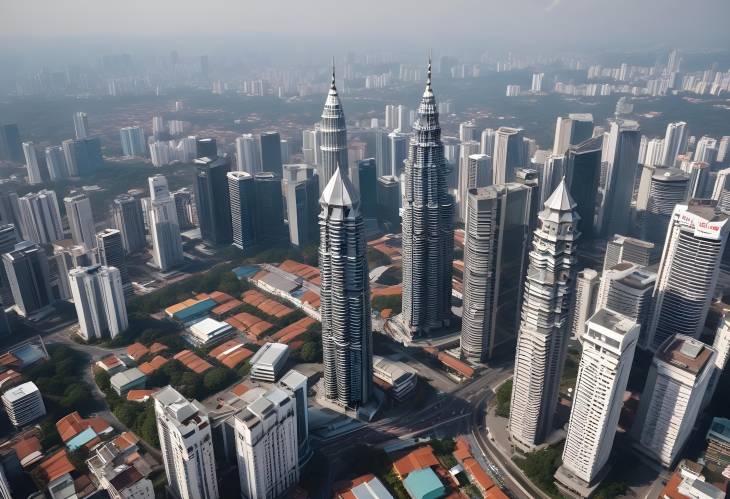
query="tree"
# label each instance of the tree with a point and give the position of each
(103, 380)
(309, 352)
(504, 396)
(216, 378)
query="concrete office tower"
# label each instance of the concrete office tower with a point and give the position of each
(31, 163)
(584, 301)
(333, 132)
(247, 154)
(688, 271)
(667, 188)
(211, 199)
(133, 141)
(364, 177)
(553, 171)
(285, 151)
(403, 115)
(391, 117)
(98, 295)
(571, 131)
(23, 404)
(110, 251)
(706, 150)
(670, 402)
(128, 220)
(167, 251)
(269, 147)
(243, 209)
(10, 143)
(81, 220)
(345, 293)
(721, 345)
(26, 267)
(530, 179)
(609, 344)
(301, 191)
(699, 185)
(626, 288)
(721, 190)
(622, 148)
(186, 444)
(388, 199)
(537, 82)
(158, 126)
(486, 143)
(56, 162)
(382, 152)
(295, 384)
(83, 156)
(654, 155)
(81, 125)
(542, 340)
(206, 148)
(496, 240)
(467, 131)
(40, 218)
(628, 249)
(185, 207)
(311, 141)
(8, 240)
(583, 171)
(466, 150)
(266, 445)
(509, 154)
(428, 227)
(269, 213)
(397, 151)
(675, 142)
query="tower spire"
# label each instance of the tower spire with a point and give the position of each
(428, 78)
(332, 86)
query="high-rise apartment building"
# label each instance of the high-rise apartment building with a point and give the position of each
(721, 190)
(628, 249)
(509, 154)
(667, 188)
(167, 250)
(333, 132)
(495, 245)
(32, 165)
(211, 199)
(110, 253)
(311, 142)
(83, 156)
(56, 163)
(688, 271)
(672, 397)
(248, 157)
(486, 142)
(721, 345)
(10, 143)
(295, 384)
(542, 340)
(571, 131)
(583, 171)
(584, 300)
(133, 141)
(81, 220)
(81, 125)
(187, 446)
(242, 195)
(98, 295)
(128, 220)
(466, 150)
(301, 191)
(675, 143)
(609, 344)
(26, 267)
(345, 296)
(397, 151)
(8, 240)
(40, 217)
(266, 445)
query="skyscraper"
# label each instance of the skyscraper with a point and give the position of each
(584, 300)
(388, 199)
(628, 249)
(206, 148)
(688, 271)
(672, 397)
(185, 207)
(466, 150)
(583, 170)
(26, 267)
(242, 195)
(81, 220)
(56, 162)
(186, 444)
(382, 152)
(295, 384)
(542, 340)
(269, 214)
(8, 240)
(667, 188)
(608, 350)
(110, 251)
(128, 219)
(509, 154)
(428, 232)
(311, 142)
(83, 156)
(10, 209)
(99, 299)
(10, 143)
(31, 163)
(721, 345)
(248, 157)
(571, 131)
(266, 445)
(721, 190)
(133, 141)
(486, 143)
(496, 234)
(397, 151)
(706, 150)
(364, 177)
(333, 133)
(301, 189)
(345, 295)
(81, 125)
(675, 142)
(270, 152)
(211, 199)
(40, 218)
(622, 149)
(167, 250)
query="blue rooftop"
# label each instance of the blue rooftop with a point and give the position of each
(82, 438)
(198, 310)
(245, 271)
(424, 484)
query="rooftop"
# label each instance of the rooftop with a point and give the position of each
(270, 354)
(614, 321)
(423, 483)
(417, 459)
(686, 353)
(20, 391)
(126, 377)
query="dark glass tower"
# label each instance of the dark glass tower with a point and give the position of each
(211, 199)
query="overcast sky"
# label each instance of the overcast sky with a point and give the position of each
(570, 23)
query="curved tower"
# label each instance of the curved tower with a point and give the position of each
(333, 132)
(345, 293)
(428, 231)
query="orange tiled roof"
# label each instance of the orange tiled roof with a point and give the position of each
(139, 395)
(478, 474)
(386, 313)
(247, 319)
(111, 361)
(224, 347)
(9, 377)
(671, 488)
(56, 465)
(394, 290)
(26, 447)
(8, 359)
(239, 389)
(417, 459)
(125, 441)
(136, 350)
(235, 358)
(193, 362)
(158, 347)
(455, 364)
(220, 297)
(153, 365)
(180, 306)
(235, 323)
(226, 307)
(295, 345)
(253, 297)
(312, 298)
(343, 490)
(260, 328)
(297, 327)
(202, 296)
(72, 424)
(462, 449)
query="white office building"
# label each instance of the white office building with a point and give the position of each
(675, 142)
(609, 344)
(98, 295)
(167, 250)
(248, 155)
(133, 141)
(23, 404)
(266, 446)
(187, 446)
(586, 293)
(509, 154)
(40, 217)
(672, 397)
(721, 344)
(31, 163)
(268, 362)
(81, 125)
(56, 162)
(81, 220)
